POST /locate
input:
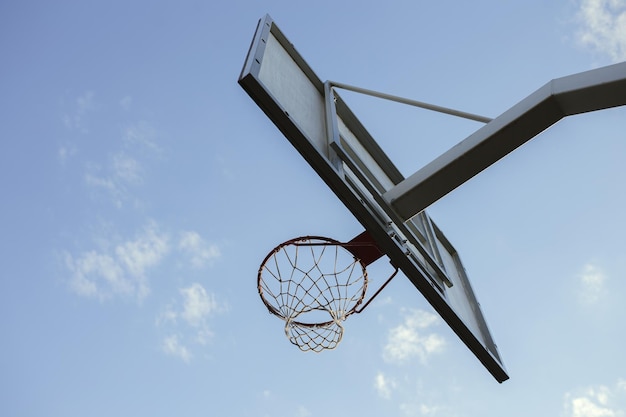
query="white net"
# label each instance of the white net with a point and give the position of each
(313, 284)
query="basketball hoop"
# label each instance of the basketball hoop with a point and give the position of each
(315, 283)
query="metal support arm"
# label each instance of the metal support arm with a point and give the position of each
(588, 91)
(411, 102)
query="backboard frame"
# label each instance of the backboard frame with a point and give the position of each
(319, 124)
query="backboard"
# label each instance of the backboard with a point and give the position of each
(319, 124)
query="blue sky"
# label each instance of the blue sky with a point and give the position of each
(142, 188)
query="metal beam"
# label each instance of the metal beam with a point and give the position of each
(588, 91)
(411, 102)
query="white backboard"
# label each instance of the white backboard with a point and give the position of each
(319, 124)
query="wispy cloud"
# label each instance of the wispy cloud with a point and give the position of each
(198, 305)
(192, 313)
(121, 271)
(127, 169)
(302, 411)
(199, 251)
(384, 385)
(592, 282)
(144, 252)
(123, 169)
(171, 345)
(122, 164)
(417, 398)
(409, 339)
(121, 173)
(597, 401)
(121, 268)
(75, 118)
(65, 152)
(603, 27)
(142, 134)
(109, 186)
(92, 270)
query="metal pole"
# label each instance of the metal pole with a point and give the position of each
(410, 102)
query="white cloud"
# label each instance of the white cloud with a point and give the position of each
(122, 269)
(302, 412)
(585, 407)
(93, 269)
(145, 251)
(82, 105)
(405, 341)
(127, 169)
(417, 409)
(198, 305)
(604, 27)
(119, 272)
(429, 410)
(65, 153)
(592, 283)
(171, 345)
(420, 319)
(142, 134)
(422, 399)
(121, 172)
(124, 167)
(384, 385)
(598, 401)
(119, 168)
(108, 185)
(193, 311)
(200, 252)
